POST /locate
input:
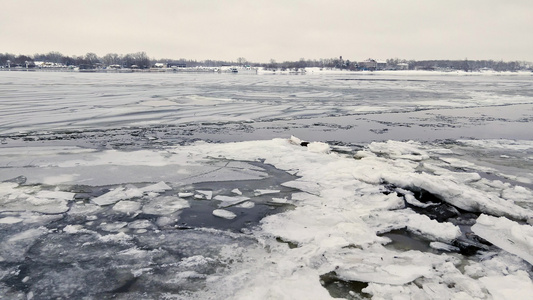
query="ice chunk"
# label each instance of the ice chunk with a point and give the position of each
(246, 204)
(158, 187)
(506, 234)
(518, 194)
(306, 186)
(264, 192)
(382, 266)
(140, 224)
(225, 214)
(318, 147)
(229, 201)
(185, 194)
(126, 206)
(458, 194)
(116, 195)
(385, 221)
(164, 205)
(120, 237)
(279, 200)
(84, 209)
(125, 193)
(443, 246)
(113, 227)
(56, 195)
(32, 198)
(295, 140)
(165, 221)
(10, 220)
(236, 191)
(72, 229)
(510, 287)
(207, 194)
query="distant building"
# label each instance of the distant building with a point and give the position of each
(381, 65)
(368, 65)
(402, 66)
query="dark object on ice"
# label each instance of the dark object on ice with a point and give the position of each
(441, 212)
(469, 246)
(437, 209)
(304, 144)
(465, 219)
(291, 245)
(19, 180)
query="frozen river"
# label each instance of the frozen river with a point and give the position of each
(217, 186)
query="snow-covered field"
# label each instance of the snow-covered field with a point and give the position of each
(212, 186)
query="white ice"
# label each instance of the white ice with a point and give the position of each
(264, 192)
(338, 214)
(225, 214)
(341, 210)
(506, 234)
(164, 205)
(230, 200)
(27, 198)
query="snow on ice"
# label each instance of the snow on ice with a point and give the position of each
(342, 207)
(506, 234)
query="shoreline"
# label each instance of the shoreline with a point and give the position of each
(261, 71)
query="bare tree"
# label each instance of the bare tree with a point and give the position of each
(242, 61)
(111, 59)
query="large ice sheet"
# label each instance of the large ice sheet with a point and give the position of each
(506, 234)
(26, 198)
(74, 165)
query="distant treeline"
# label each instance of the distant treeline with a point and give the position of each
(142, 61)
(469, 65)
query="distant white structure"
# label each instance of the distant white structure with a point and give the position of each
(238, 70)
(45, 64)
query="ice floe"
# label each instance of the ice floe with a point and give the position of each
(230, 200)
(506, 234)
(164, 205)
(225, 214)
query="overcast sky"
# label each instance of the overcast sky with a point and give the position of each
(272, 29)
